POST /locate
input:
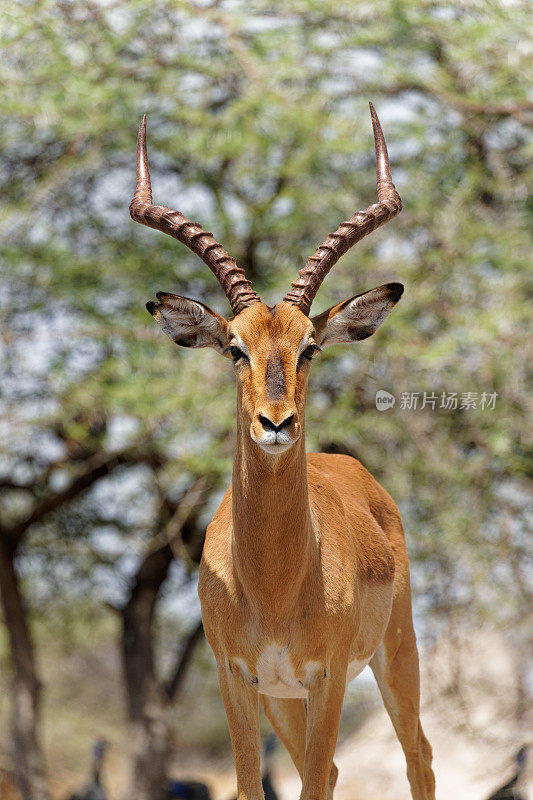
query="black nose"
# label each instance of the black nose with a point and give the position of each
(268, 425)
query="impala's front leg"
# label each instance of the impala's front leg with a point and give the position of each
(326, 694)
(242, 710)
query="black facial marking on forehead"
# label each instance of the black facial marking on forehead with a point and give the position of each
(275, 376)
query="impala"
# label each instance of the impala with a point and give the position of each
(304, 578)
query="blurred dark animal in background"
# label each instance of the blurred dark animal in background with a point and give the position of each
(93, 789)
(514, 789)
(192, 790)
(187, 790)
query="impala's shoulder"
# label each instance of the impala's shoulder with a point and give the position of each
(343, 475)
(334, 463)
(354, 483)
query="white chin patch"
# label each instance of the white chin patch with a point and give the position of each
(275, 449)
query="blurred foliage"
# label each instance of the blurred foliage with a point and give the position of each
(259, 128)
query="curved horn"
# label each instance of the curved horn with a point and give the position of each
(231, 277)
(307, 284)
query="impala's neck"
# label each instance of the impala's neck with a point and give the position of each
(272, 531)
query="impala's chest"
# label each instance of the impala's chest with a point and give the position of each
(277, 672)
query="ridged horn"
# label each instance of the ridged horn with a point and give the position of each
(389, 204)
(231, 277)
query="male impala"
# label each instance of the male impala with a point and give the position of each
(304, 576)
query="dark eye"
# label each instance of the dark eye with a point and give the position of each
(309, 352)
(236, 353)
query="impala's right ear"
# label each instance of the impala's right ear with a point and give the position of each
(188, 322)
(357, 318)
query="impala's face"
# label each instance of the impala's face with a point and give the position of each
(271, 350)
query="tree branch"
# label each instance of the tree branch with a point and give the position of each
(455, 100)
(171, 534)
(97, 467)
(192, 640)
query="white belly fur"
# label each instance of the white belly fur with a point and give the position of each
(274, 674)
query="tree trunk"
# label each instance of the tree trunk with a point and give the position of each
(148, 704)
(26, 686)
(150, 740)
(149, 698)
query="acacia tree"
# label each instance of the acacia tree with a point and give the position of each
(28, 758)
(176, 534)
(258, 124)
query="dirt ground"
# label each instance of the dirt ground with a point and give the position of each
(472, 714)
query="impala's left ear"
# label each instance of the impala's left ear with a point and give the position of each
(358, 317)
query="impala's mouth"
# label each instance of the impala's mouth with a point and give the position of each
(275, 448)
(274, 442)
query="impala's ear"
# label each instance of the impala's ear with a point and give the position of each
(188, 322)
(358, 317)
